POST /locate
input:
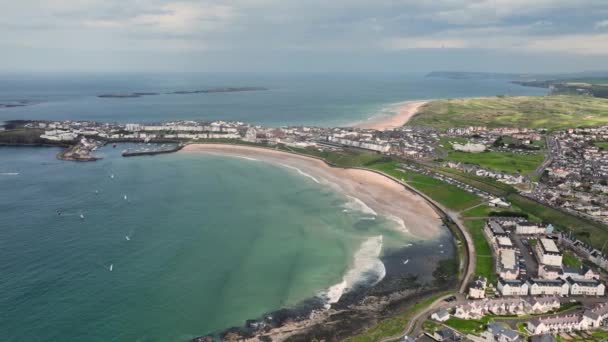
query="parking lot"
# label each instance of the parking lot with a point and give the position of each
(527, 259)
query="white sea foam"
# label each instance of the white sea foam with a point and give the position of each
(399, 222)
(248, 158)
(301, 172)
(366, 267)
(357, 204)
(9, 174)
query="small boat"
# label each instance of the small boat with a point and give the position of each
(82, 216)
(111, 267)
(125, 197)
(345, 210)
(127, 238)
(112, 176)
(406, 261)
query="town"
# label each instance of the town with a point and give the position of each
(545, 282)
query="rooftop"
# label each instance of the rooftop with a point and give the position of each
(549, 246)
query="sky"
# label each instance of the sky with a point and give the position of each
(304, 35)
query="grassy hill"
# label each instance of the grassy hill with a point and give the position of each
(551, 112)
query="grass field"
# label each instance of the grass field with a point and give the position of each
(551, 112)
(601, 144)
(468, 326)
(569, 259)
(448, 195)
(485, 260)
(501, 161)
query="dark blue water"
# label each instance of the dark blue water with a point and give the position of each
(316, 99)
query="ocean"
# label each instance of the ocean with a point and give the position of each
(171, 247)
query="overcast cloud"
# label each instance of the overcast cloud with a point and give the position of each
(319, 35)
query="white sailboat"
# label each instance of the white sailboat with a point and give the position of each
(125, 197)
(406, 261)
(81, 216)
(127, 238)
(111, 267)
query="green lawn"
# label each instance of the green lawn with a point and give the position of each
(468, 326)
(393, 326)
(601, 144)
(551, 112)
(501, 161)
(483, 251)
(569, 259)
(448, 195)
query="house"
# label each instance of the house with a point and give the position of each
(549, 272)
(543, 338)
(497, 202)
(512, 287)
(584, 272)
(548, 253)
(494, 229)
(498, 333)
(477, 290)
(554, 287)
(589, 319)
(592, 287)
(441, 315)
(447, 335)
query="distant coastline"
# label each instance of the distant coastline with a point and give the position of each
(182, 92)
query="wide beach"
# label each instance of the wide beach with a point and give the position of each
(381, 194)
(404, 112)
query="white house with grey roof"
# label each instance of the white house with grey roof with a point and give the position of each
(512, 287)
(585, 287)
(548, 253)
(553, 287)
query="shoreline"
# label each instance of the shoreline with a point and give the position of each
(404, 112)
(364, 304)
(382, 195)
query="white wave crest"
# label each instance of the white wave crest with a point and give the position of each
(357, 204)
(399, 222)
(366, 267)
(248, 158)
(9, 174)
(301, 172)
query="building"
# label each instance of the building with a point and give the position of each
(548, 253)
(441, 315)
(549, 272)
(584, 272)
(529, 228)
(512, 287)
(494, 229)
(553, 287)
(498, 333)
(506, 306)
(586, 287)
(589, 319)
(508, 268)
(477, 290)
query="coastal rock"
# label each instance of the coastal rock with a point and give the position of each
(203, 339)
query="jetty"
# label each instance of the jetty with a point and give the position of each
(135, 153)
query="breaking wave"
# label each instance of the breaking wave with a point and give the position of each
(399, 222)
(357, 204)
(301, 172)
(366, 268)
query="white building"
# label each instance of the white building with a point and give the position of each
(584, 287)
(477, 290)
(529, 228)
(548, 253)
(508, 266)
(554, 287)
(514, 287)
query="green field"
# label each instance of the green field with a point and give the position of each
(501, 161)
(485, 260)
(569, 259)
(601, 144)
(468, 326)
(551, 112)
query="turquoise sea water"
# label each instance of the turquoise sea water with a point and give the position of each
(212, 240)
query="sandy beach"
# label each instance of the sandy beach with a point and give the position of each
(381, 194)
(405, 111)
